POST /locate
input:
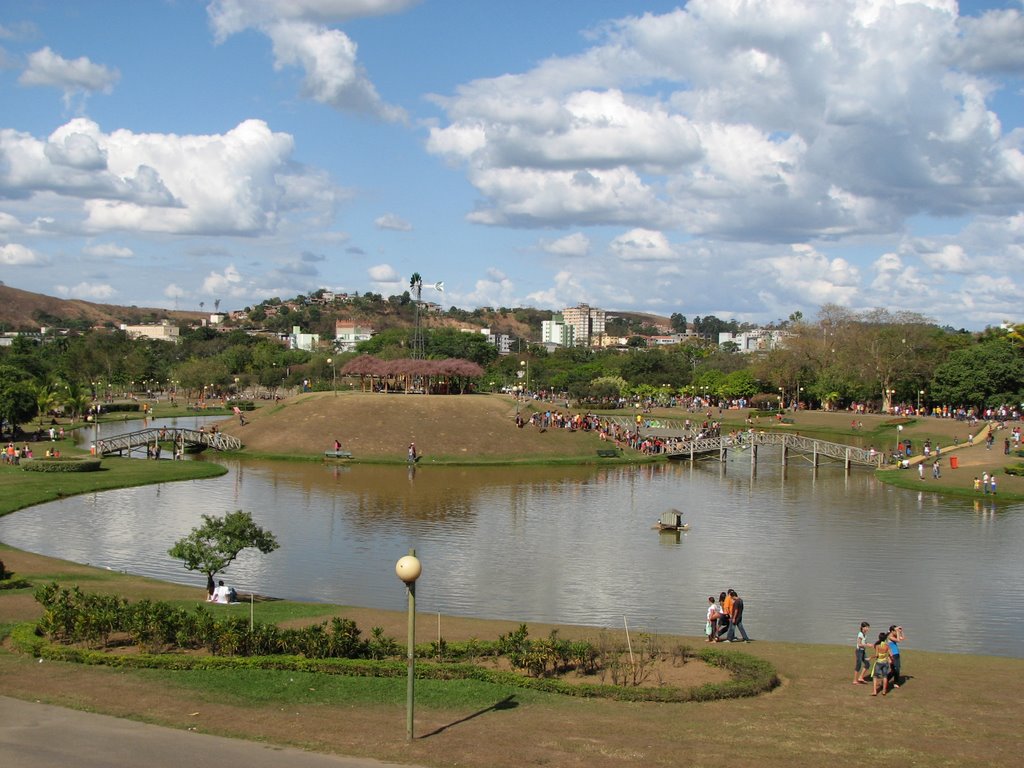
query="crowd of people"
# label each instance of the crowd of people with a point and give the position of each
(725, 618)
(883, 666)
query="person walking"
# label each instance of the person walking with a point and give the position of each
(861, 667)
(736, 618)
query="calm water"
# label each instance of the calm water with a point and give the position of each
(812, 554)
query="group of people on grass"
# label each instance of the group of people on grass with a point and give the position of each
(725, 617)
(883, 667)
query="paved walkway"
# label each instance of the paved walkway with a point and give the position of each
(41, 736)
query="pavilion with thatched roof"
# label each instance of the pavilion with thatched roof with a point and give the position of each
(434, 377)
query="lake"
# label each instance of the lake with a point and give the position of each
(812, 553)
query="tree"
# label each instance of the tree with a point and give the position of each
(17, 403)
(215, 544)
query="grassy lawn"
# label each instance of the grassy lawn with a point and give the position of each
(20, 489)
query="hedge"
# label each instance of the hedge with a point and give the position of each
(61, 464)
(120, 407)
(751, 675)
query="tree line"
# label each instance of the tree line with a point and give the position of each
(840, 357)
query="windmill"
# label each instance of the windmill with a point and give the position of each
(416, 285)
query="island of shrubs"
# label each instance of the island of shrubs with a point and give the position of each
(84, 627)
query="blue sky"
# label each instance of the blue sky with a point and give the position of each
(744, 158)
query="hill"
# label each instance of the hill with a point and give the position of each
(26, 311)
(379, 427)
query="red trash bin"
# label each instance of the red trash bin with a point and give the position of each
(954, 462)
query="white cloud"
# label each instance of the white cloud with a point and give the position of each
(773, 122)
(328, 57)
(242, 182)
(8, 223)
(806, 276)
(108, 251)
(383, 273)
(87, 290)
(566, 291)
(17, 255)
(44, 67)
(393, 221)
(301, 37)
(642, 245)
(948, 258)
(496, 289)
(173, 291)
(991, 42)
(576, 244)
(386, 280)
(231, 16)
(227, 283)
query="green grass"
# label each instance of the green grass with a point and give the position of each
(20, 489)
(255, 687)
(903, 478)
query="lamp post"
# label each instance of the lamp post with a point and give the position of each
(334, 376)
(408, 569)
(526, 364)
(920, 394)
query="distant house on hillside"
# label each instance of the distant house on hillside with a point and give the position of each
(757, 340)
(348, 334)
(162, 331)
(300, 340)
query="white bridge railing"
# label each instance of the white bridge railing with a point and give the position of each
(688, 444)
(183, 437)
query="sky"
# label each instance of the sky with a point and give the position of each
(742, 158)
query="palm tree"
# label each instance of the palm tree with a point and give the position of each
(76, 399)
(46, 398)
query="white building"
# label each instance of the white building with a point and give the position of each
(306, 341)
(757, 340)
(162, 331)
(347, 335)
(557, 331)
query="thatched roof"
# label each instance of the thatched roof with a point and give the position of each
(367, 365)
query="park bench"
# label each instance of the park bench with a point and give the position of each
(608, 453)
(337, 454)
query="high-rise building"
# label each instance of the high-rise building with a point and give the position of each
(557, 331)
(587, 323)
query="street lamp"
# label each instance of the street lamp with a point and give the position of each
(527, 364)
(920, 394)
(334, 376)
(408, 570)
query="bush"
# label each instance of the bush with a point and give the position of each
(62, 464)
(120, 407)
(1015, 469)
(243, 405)
(767, 404)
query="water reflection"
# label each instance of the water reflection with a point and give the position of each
(812, 552)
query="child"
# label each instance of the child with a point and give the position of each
(860, 668)
(977, 484)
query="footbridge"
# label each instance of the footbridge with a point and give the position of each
(682, 442)
(184, 439)
(810, 448)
